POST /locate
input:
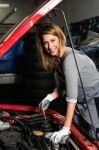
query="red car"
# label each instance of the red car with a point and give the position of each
(77, 139)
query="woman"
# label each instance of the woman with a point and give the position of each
(54, 54)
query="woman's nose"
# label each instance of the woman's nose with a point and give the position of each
(49, 45)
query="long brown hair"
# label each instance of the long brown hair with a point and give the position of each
(48, 61)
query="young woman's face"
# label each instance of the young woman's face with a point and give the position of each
(51, 44)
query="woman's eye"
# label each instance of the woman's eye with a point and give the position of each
(53, 40)
(45, 43)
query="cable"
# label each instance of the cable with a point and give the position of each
(72, 46)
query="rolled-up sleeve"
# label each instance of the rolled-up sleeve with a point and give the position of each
(71, 78)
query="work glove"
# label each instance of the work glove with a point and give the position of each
(58, 136)
(46, 102)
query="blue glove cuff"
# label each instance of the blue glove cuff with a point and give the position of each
(66, 129)
(49, 97)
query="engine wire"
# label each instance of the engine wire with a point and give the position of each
(72, 47)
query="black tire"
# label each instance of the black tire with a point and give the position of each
(39, 84)
(38, 75)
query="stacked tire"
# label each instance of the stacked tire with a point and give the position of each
(37, 82)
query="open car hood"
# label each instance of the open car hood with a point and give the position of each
(20, 29)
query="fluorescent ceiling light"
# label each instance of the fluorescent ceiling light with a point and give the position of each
(4, 5)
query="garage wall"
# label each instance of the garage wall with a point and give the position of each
(81, 9)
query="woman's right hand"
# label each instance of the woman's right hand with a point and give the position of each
(44, 104)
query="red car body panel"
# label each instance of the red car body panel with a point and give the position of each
(17, 33)
(79, 137)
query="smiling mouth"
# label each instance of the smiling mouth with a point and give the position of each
(52, 51)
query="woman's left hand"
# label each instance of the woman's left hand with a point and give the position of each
(58, 136)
